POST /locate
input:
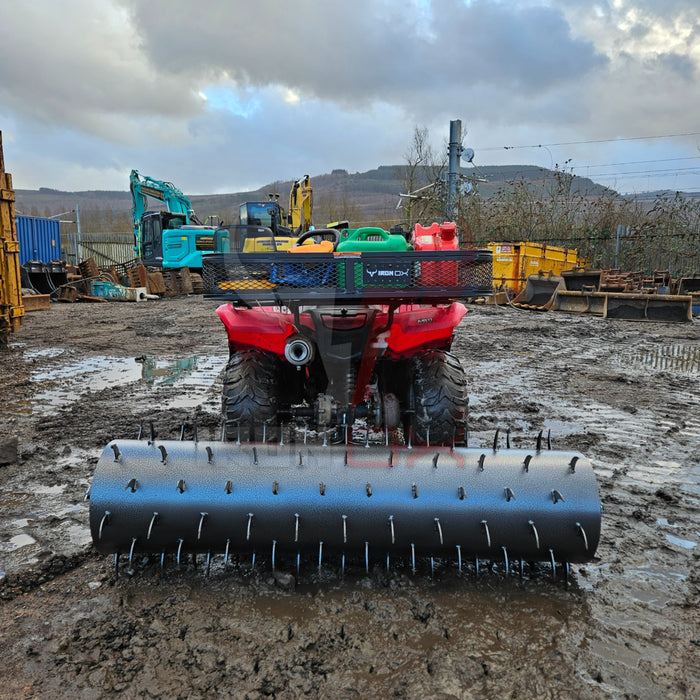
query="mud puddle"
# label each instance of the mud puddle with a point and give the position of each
(44, 511)
(66, 383)
(51, 521)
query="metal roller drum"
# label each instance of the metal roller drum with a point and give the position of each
(217, 497)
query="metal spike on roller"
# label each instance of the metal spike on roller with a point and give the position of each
(225, 498)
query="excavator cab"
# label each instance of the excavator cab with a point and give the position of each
(268, 214)
(152, 226)
(167, 240)
(261, 229)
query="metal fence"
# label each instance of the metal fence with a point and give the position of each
(105, 248)
(630, 250)
(677, 251)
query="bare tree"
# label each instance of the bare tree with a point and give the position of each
(421, 179)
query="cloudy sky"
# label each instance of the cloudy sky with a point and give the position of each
(228, 95)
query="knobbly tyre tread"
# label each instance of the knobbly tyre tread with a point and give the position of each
(440, 397)
(250, 396)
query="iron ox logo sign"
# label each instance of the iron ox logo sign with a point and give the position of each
(397, 274)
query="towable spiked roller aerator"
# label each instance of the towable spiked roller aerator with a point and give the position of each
(343, 340)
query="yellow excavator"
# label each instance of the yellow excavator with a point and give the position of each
(11, 308)
(265, 227)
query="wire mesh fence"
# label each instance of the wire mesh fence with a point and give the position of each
(675, 251)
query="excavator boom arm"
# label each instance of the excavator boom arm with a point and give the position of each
(300, 205)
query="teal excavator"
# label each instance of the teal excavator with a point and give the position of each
(169, 238)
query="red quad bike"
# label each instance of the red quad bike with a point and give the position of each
(345, 424)
(346, 345)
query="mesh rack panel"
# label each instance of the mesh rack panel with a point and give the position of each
(283, 278)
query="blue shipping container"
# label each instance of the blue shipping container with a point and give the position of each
(39, 239)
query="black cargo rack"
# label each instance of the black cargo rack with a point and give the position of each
(284, 279)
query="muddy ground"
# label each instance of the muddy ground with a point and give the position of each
(627, 394)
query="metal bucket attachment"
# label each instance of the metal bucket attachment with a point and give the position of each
(579, 302)
(691, 286)
(648, 307)
(175, 497)
(581, 280)
(538, 292)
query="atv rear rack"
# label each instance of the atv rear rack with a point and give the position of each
(284, 279)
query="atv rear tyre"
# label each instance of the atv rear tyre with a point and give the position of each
(440, 400)
(251, 396)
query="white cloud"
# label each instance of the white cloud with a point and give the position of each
(291, 97)
(226, 95)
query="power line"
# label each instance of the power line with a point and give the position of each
(658, 170)
(548, 173)
(634, 162)
(628, 173)
(498, 177)
(580, 143)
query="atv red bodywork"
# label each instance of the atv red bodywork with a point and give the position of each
(413, 328)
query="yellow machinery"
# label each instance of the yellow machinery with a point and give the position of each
(11, 308)
(300, 205)
(267, 242)
(277, 230)
(513, 263)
